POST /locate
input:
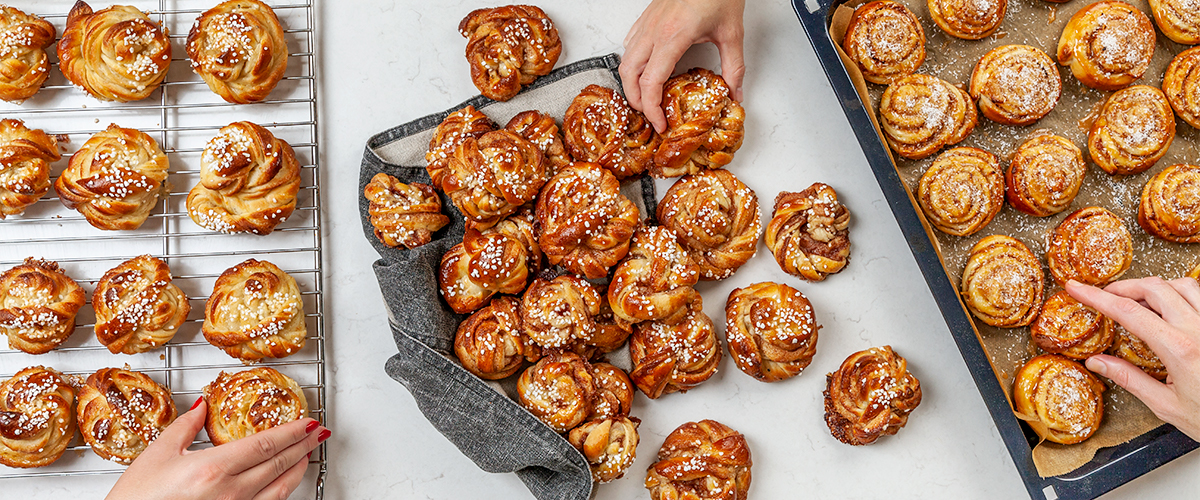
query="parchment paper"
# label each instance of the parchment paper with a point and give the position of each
(1039, 24)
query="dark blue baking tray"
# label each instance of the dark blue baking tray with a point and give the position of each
(1112, 466)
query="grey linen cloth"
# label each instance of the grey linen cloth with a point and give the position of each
(488, 426)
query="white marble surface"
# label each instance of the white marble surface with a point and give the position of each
(385, 62)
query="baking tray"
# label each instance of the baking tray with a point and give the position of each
(1111, 467)
(181, 116)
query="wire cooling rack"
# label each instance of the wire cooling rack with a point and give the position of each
(182, 115)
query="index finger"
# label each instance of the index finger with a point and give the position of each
(1137, 319)
(243, 454)
(1160, 296)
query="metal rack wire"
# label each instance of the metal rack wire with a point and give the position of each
(181, 115)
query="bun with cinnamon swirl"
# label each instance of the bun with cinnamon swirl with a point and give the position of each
(1060, 399)
(454, 129)
(38, 303)
(1170, 203)
(716, 218)
(1015, 84)
(921, 114)
(771, 330)
(121, 412)
(1133, 131)
(508, 47)
(968, 19)
(1130, 348)
(1091, 246)
(23, 53)
(1107, 44)
(251, 401)
(885, 41)
(248, 181)
(541, 129)
(1071, 329)
(962, 191)
(705, 126)
(704, 459)
(499, 259)
(614, 392)
(559, 390)
(255, 312)
(37, 417)
(870, 395)
(1003, 282)
(809, 233)
(609, 445)
(1045, 176)
(492, 176)
(560, 313)
(491, 343)
(115, 54)
(1181, 85)
(137, 306)
(403, 214)
(238, 49)
(586, 222)
(654, 283)
(601, 128)
(25, 158)
(1178, 20)
(115, 179)
(677, 357)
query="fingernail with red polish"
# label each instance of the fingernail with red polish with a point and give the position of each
(197, 403)
(312, 426)
(309, 456)
(324, 435)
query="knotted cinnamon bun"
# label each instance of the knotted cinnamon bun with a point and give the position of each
(403, 214)
(921, 114)
(870, 395)
(611, 332)
(1071, 329)
(1091, 246)
(1178, 19)
(614, 392)
(968, 19)
(1015, 84)
(1170, 205)
(809, 233)
(561, 312)
(771, 330)
(601, 128)
(609, 445)
(248, 181)
(701, 460)
(499, 259)
(1130, 348)
(541, 129)
(137, 306)
(586, 222)
(238, 49)
(454, 129)
(121, 412)
(38, 303)
(37, 417)
(705, 126)
(654, 283)
(493, 176)
(1133, 131)
(1181, 84)
(255, 312)
(962, 191)
(674, 358)
(559, 390)
(23, 62)
(115, 179)
(508, 47)
(115, 54)
(885, 41)
(251, 401)
(1045, 176)
(1002, 282)
(491, 343)
(25, 158)
(716, 218)
(1107, 44)
(1060, 399)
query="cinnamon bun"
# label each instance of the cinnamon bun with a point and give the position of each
(968, 19)
(677, 357)
(654, 283)
(809, 233)
(248, 181)
(1170, 204)
(541, 129)
(251, 401)
(23, 42)
(115, 179)
(1071, 329)
(1045, 176)
(403, 214)
(38, 303)
(601, 128)
(115, 54)
(1181, 84)
(492, 176)
(586, 222)
(716, 218)
(962, 191)
(1133, 131)
(499, 259)
(609, 445)
(705, 126)
(870, 395)
(1178, 19)
(921, 114)
(25, 158)
(1091, 246)
(255, 312)
(508, 47)
(561, 312)
(137, 306)
(454, 129)
(121, 412)
(1015, 84)
(885, 41)
(701, 460)
(37, 417)
(1003, 282)
(559, 390)
(1060, 399)
(1130, 348)
(771, 330)
(238, 49)
(491, 343)
(613, 397)
(1107, 44)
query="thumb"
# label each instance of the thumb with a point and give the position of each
(180, 434)
(733, 65)
(1157, 396)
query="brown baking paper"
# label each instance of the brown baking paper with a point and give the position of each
(1039, 24)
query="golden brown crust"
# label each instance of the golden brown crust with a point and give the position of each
(1045, 176)
(586, 222)
(1178, 19)
(255, 312)
(614, 392)
(508, 47)
(403, 214)
(654, 283)
(1071, 329)
(491, 177)
(771, 330)
(248, 181)
(674, 358)
(1091, 246)
(454, 129)
(238, 49)
(115, 54)
(968, 19)
(885, 40)
(1169, 205)
(1130, 348)
(251, 401)
(921, 114)
(1107, 44)
(491, 343)
(870, 395)
(1181, 84)
(601, 128)
(560, 313)
(137, 306)
(37, 417)
(701, 460)
(705, 126)
(1003, 282)
(1015, 84)
(809, 233)
(962, 191)
(541, 129)
(609, 445)
(1133, 131)
(25, 158)
(24, 65)
(121, 412)
(559, 390)
(499, 259)
(1060, 399)
(716, 218)
(611, 332)
(38, 303)
(115, 179)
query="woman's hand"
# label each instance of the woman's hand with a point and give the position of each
(1166, 316)
(665, 31)
(266, 465)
